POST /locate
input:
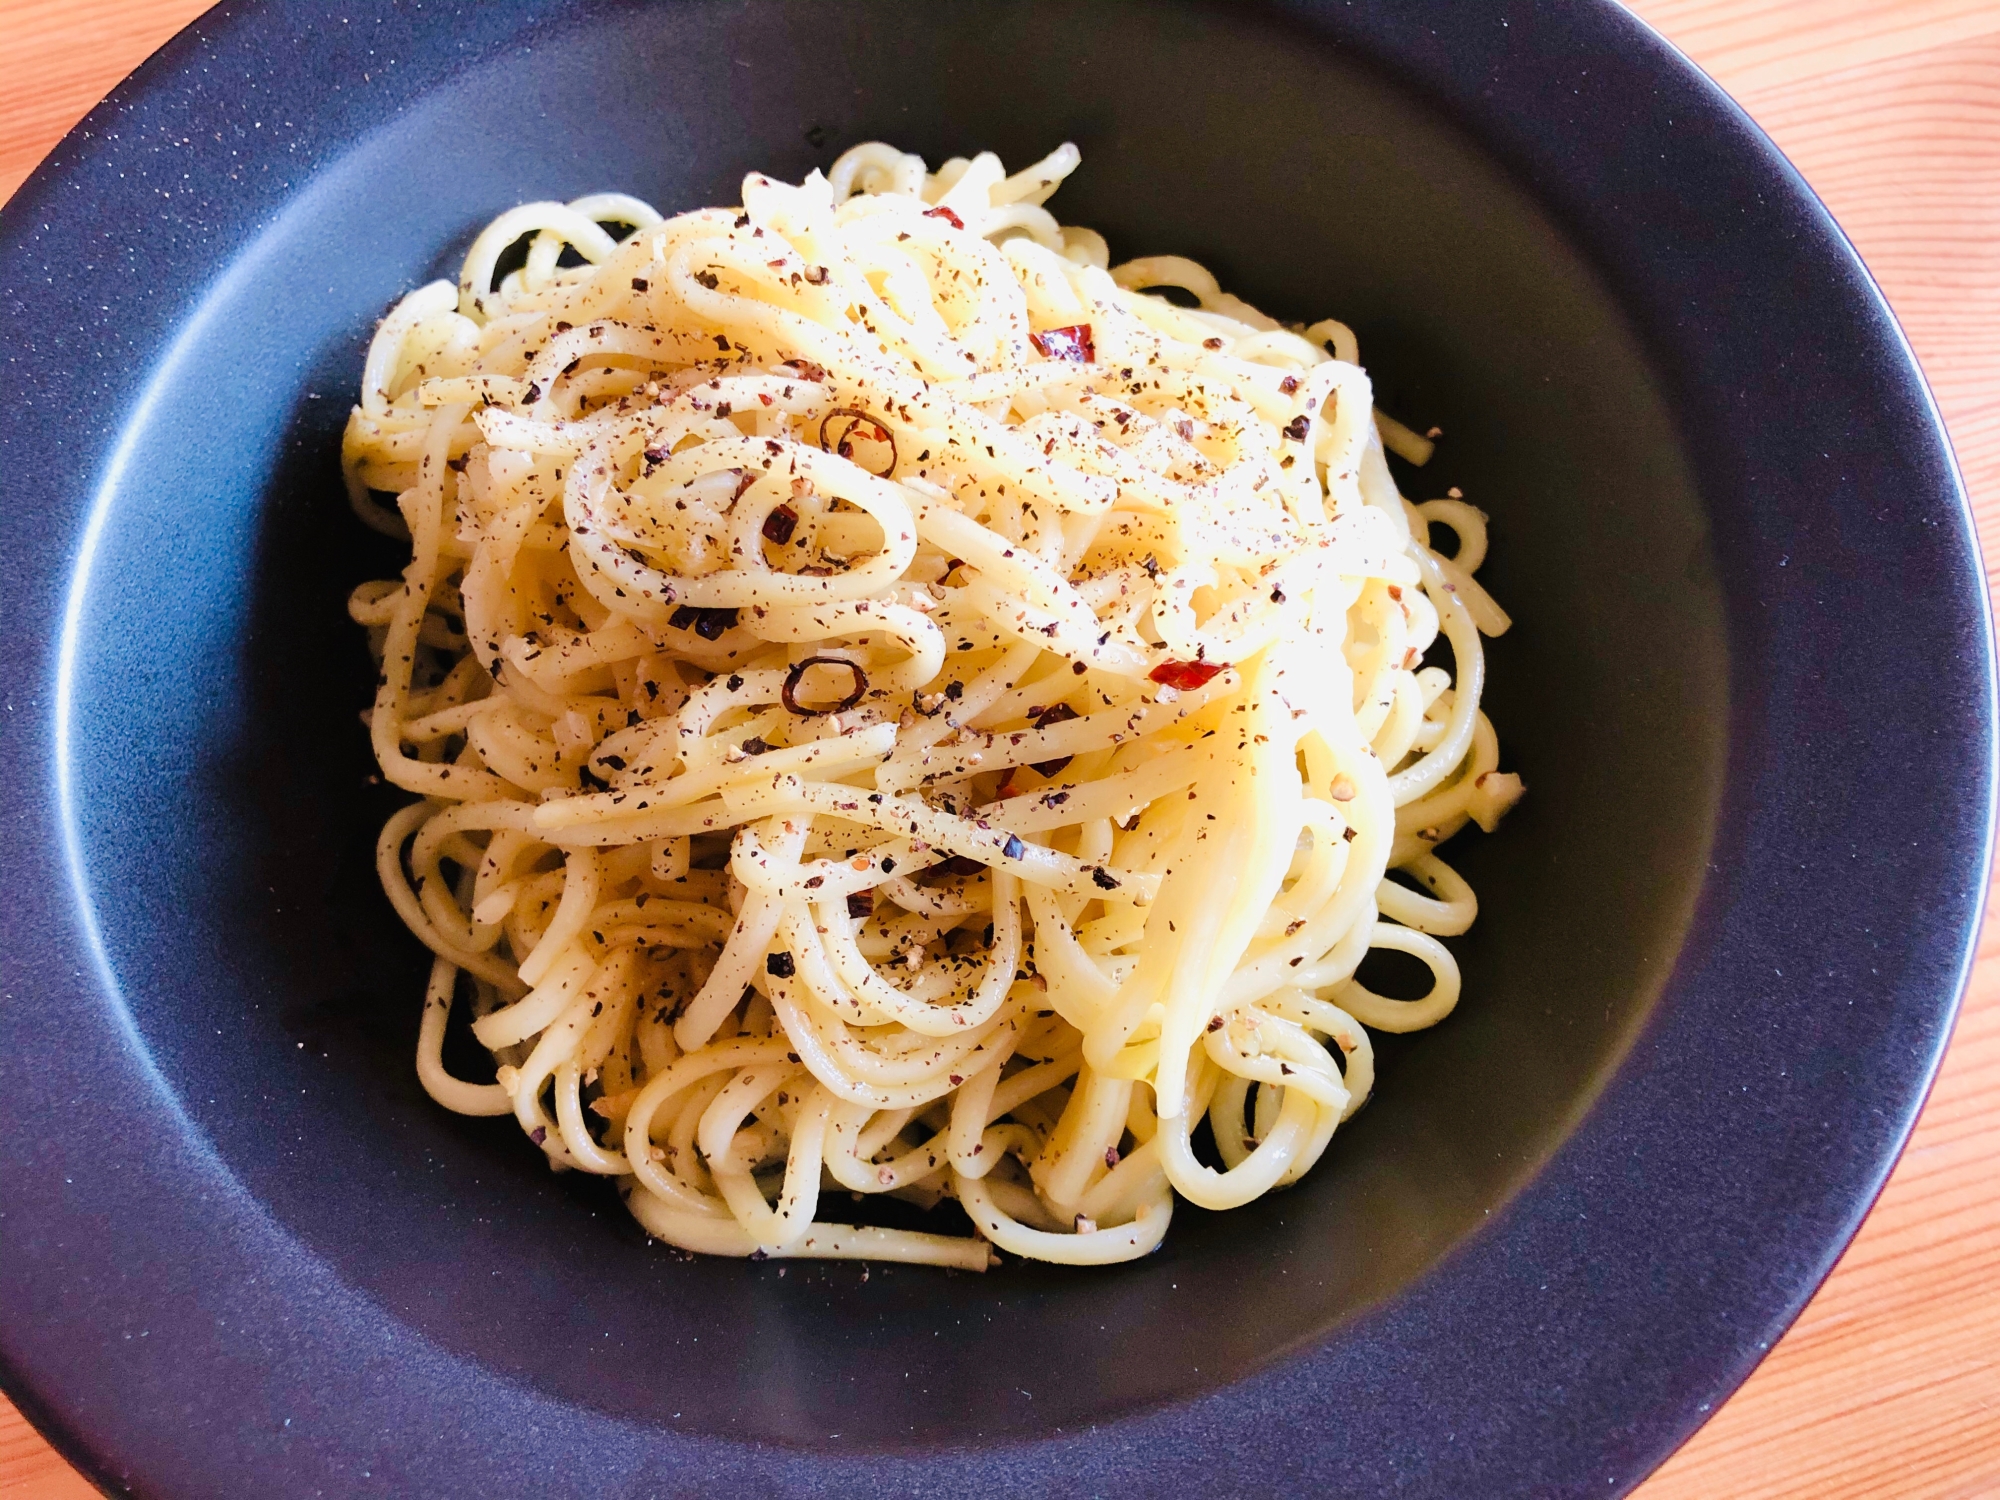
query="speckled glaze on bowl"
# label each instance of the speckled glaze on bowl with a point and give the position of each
(1750, 688)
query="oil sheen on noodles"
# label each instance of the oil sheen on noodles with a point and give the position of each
(899, 706)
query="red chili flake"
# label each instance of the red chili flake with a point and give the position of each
(780, 524)
(1072, 343)
(804, 369)
(1186, 674)
(958, 865)
(941, 212)
(1289, 384)
(709, 624)
(1055, 713)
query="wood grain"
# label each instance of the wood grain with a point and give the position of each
(1888, 1387)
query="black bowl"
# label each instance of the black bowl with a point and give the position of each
(1751, 690)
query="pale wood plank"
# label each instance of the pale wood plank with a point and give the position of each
(1747, 45)
(1890, 1385)
(59, 57)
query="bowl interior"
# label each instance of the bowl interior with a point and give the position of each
(221, 780)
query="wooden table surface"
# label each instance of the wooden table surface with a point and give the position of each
(1888, 1387)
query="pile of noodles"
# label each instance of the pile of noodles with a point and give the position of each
(899, 708)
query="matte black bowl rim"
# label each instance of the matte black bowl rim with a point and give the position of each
(1678, 1231)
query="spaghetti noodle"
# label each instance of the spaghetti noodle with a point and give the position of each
(897, 707)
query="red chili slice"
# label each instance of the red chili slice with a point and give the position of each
(941, 212)
(1186, 674)
(1073, 343)
(843, 444)
(788, 694)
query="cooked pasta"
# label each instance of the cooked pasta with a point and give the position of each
(900, 708)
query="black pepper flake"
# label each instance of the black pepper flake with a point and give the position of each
(888, 864)
(639, 283)
(1289, 384)
(1296, 428)
(708, 279)
(616, 762)
(733, 683)
(531, 395)
(1013, 848)
(1215, 1023)
(780, 964)
(756, 745)
(1211, 343)
(861, 903)
(1103, 879)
